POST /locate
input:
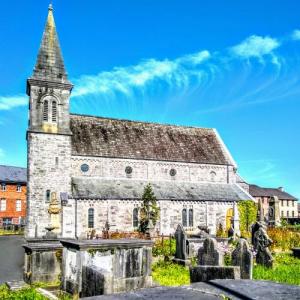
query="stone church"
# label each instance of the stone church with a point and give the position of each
(94, 169)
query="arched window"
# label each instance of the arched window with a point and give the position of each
(48, 195)
(191, 217)
(91, 218)
(184, 218)
(54, 111)
(45, 110)
(135, 217)
(213, 176)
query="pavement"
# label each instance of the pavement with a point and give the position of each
(213, 290)
(11, 258)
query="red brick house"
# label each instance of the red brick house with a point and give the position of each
(13, 182)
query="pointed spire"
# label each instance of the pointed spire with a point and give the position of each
(50, 64)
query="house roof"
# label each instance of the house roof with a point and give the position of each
(96, 188)
(96, 136)
(13, 174)
(257, 191)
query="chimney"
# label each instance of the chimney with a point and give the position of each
(280, 188)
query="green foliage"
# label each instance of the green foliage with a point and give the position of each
(24, 294)
(286, 269)
(11, 232)
(227, 259)
(149, 210)
(170, 274)
(284, 238)
(221, 232)
(248, 212)
(164, 247)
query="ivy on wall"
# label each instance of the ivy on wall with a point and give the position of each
(248, 212)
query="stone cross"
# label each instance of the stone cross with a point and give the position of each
(180, 237)
(243, 257)
(209, 255)
(274, 213)
(261, 242)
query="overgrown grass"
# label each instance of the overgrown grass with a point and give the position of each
(284, 238)
(24, 294)
(11, 232)
(170, 274)
(286, 269)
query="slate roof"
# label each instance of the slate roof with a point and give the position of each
(257, 191)
(96, 136)
(50, 64)
(97, 188)
(11, 174)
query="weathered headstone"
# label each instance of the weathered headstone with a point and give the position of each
(261, 242)
(274, 212)
(209, 255)
(181, 246)
(243, 257)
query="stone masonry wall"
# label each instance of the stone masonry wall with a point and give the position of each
(151, 170)
(120, 215)
(48, 169)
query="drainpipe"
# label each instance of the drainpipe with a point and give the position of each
(76, 237)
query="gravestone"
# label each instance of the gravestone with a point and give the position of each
(243, 257)
(261, 242)
(209, 255)
(274, 212)
(181, 246)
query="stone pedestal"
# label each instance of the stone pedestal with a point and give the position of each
(274, 211)
(207, 273)
(42, 260)
(96, 267)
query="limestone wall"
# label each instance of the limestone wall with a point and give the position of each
(120, 215)
(48, 169)
(151, 170)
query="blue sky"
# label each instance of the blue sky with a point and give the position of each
(231, 65)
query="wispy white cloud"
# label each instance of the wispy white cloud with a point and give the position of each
(255, 46)
(295, 35)
(176, 73)
(9, 102)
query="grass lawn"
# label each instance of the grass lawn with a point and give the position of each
(286, 269)
(25, 294)
(11, 232)
(170, 274)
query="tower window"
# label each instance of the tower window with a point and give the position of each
(18, 205)
(45, 111)
(19, 188)
(191, 217)
(184, 217)
(3, 205)
(54, 111)
(91, 218)
(135, 217)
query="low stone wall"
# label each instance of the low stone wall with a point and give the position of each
(42, 260)
(95, 267)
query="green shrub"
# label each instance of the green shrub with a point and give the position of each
(164, 247)
(170, 274)
(284, 238)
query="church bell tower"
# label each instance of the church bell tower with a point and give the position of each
(48, 135)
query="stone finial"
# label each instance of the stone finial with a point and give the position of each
(243, 257)
(209, 255)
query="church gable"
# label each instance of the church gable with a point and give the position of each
(95, 136)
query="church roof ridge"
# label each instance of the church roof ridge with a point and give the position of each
(140, 121)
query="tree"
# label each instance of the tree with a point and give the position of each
(149, 210)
